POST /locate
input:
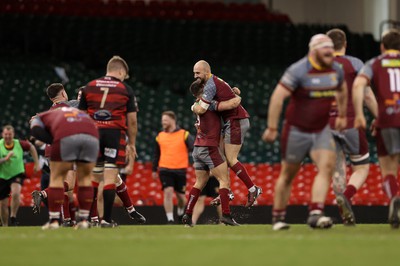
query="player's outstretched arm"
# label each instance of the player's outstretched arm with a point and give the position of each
(35, 157)
(274, 112)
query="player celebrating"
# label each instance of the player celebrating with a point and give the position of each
(351, 141)
(312, 84)
(208, 157)
(383, 74)
(236, 122)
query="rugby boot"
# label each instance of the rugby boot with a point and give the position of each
(51, 225)
(228, 220)
(37, 200)
(278, 223)
(217, 201)
(345, 210)
(317, 220)
(252, 196)
(137, 217)
(82, 225)
(13, 221)
(105, 224)
(187, 220)
(394, 212)
(94, 222)
(68, 223)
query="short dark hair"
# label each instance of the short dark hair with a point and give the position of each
(391, 39)
(8, 127)
(196, 87)
(338, 38)
(54, 90)
(171, 114)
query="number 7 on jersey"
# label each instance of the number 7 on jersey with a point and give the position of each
(103, 99)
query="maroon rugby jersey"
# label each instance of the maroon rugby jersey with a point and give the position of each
(59, 105)
(209, 130)
(67, 121)
(217, 89)
(313, 92)
(108, 100)
(383, 73)
(351, 66)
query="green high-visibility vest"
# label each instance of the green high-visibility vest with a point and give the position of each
(15, 165)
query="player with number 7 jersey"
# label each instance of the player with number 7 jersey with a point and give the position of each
(108, 100)
(112, 105)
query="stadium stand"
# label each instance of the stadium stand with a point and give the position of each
(145, 191)
(247, 44)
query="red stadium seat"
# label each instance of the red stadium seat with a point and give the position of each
(146, 191)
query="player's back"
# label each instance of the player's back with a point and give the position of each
(384, 74)
(351, 66)
(59, 105)
(66, 121)
(107, 101)
(209, 130)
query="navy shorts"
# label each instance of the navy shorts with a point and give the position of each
(211, 188)
(173, 178)
(5, 185)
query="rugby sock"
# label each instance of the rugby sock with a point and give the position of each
(390, 186)
(66, 186)
(72, 210)
(109, 197)
(122, 193)
(170, 216)
(241, 172)
(316, 207)
(44, 197)
(224, 195)
(278, 215)
(349, 192)
(180, 211)
(55, 198)
(192, 199)
(94, 215)
(65, 208)
(85, 199)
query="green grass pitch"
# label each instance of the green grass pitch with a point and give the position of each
(206, 245)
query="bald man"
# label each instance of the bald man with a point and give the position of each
(312, 84)
(236, 124)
